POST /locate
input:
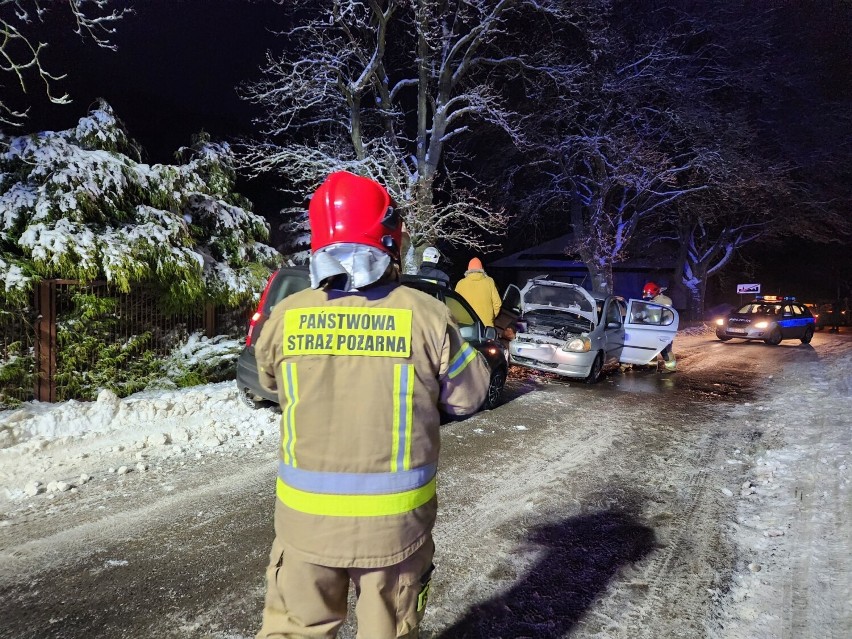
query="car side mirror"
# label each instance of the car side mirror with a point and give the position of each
(490, 333)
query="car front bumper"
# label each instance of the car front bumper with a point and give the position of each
(550, 358)
(743, 333)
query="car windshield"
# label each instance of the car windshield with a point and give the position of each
(761, 309)
(560, 296)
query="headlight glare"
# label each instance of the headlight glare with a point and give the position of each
(761, 325)
(720, 322)
(580, 344)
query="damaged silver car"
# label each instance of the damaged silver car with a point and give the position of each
(564, 329)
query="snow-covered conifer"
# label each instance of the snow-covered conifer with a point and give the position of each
(79, 204)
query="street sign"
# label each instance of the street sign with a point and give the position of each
(746, 289)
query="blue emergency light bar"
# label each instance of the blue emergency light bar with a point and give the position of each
(774, 298)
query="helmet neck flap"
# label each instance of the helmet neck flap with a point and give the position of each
(356, 266)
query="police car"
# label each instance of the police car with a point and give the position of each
(770, 318)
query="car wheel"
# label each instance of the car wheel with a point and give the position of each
(595, 372)
(723, 338)
(495, 390)
(809, 333)
(774, 337)
(248, 398)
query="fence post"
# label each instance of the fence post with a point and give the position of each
(210, 320)
(45, 346)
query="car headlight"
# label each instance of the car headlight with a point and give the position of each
(761, 325)
(580, 344)
(720, 322)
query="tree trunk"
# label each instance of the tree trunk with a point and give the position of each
(697, 290)
(600, 270)
(601, 276)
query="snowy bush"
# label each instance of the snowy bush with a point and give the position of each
(16, 373)
(78, 204)
(201, 360)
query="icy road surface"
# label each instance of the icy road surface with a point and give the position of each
(715, 503)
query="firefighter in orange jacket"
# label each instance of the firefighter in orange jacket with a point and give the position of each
(362, 366)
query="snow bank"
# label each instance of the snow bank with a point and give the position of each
(45, 445)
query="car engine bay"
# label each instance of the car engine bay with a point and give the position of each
(554, 324)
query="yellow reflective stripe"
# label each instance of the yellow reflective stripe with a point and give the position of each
(465, 355)
(409, 417)
(354, 505)
(288, 413)
(403, 415)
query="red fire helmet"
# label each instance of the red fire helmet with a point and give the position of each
(349, 208)
(651, 290)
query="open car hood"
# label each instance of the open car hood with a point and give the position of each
(548, 294)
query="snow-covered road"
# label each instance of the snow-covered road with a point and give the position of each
(712, 503)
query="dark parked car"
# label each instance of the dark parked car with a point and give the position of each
(768, 318)
(288, 280)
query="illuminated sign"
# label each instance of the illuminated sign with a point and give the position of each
(747, 289)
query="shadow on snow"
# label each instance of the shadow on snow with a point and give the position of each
(581, 556)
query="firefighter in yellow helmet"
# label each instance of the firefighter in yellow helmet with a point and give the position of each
(362, 366)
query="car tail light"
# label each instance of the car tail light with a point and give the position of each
(259, 312)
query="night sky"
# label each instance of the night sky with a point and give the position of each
(175, 72)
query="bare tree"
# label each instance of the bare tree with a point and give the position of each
(622, 157)
(648, 128)
(385, 87)
(712, 226)
(783, 137)
(21, 52)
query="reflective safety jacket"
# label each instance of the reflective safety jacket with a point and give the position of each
(481, 293)
(360, 377)
(662, 299)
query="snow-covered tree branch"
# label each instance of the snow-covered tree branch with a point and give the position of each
(21, 51)
(644, 130)
(385, 87)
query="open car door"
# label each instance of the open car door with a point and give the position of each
(510, 311)
(648, 328)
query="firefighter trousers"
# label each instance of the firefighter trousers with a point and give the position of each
(308, 601)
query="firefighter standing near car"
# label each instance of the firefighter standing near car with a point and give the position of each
(429, 268)
(362, 366)
(652, 292)
(480, 292)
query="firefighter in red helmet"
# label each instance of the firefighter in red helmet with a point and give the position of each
(362, 366)
(654, 293)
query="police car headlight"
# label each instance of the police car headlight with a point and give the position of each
(761, 325)
(720, 322)
(578, 345)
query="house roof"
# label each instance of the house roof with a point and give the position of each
(551, 255)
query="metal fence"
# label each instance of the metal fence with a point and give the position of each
(45, 341)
